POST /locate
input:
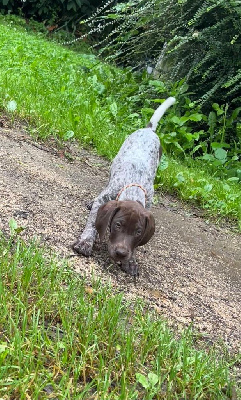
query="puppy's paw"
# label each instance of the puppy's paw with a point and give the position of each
(83, 246)
(130, 268)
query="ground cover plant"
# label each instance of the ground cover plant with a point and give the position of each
(75, 96)
(63, 338)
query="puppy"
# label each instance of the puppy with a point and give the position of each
(124, 204)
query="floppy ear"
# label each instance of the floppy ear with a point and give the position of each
(104, 217)
(149, 229)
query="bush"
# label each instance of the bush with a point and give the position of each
(184, 39)
(63, 12)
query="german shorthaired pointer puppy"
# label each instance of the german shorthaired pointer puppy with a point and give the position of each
(123, 205)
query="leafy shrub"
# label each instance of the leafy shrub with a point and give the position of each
(66, 13)
(192, 181)
(214, 138)
(198, 41)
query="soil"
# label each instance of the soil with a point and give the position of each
(190, 270)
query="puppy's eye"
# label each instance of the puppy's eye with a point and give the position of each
(138, 232)
(117, 225)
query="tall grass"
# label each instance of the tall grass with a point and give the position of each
(65, 94)
(61, 338)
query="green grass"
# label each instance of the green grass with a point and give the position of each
(66, 94)
(192, 182)
(60, 91)
(61, 338)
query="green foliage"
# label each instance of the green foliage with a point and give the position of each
(192, 182)
(210, 140)
(63, 12)
(63, 338)
(198, 41)
(74, 99)
(187, 131)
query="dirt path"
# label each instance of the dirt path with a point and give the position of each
(190, 271)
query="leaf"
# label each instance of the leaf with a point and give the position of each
(233, 179)
(12, 106)
(79, 3)
(212, 121)
(147, 111)
(196, 148)
(14, 228)
(235, 113)
(216, 145)
(114, 109)
(133, 115)
(208, 187)
(177, 120)
(13, 225)
(218, 110)
(218, 163)
(153, 378)
(71, 5)
(142, 380)
(176, 144)
(184, 119)
(68, 135)
(180, 177)
(226, 187)
(208, 157)
(159, 85)
(221, 154)
(195, 117)
(3, 347)
(163, 163)
(189, 137)
(94, 79)
(61, 345)
(183, 88)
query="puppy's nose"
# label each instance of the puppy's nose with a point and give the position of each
(121, 252)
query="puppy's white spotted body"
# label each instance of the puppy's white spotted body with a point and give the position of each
(131, 178)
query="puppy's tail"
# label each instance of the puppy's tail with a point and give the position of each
(159, 113)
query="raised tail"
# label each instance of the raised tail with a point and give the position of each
(159, 113)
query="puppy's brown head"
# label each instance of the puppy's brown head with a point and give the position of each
(131, 225)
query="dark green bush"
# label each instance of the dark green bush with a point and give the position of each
(65, 13)
(198, 41)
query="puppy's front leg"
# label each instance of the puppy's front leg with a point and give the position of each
(85, 242)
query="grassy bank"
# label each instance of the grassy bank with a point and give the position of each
(192, 182)
(72, 95)
(63, 93)
(60, 338)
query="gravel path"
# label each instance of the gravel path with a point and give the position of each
(189, 272)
